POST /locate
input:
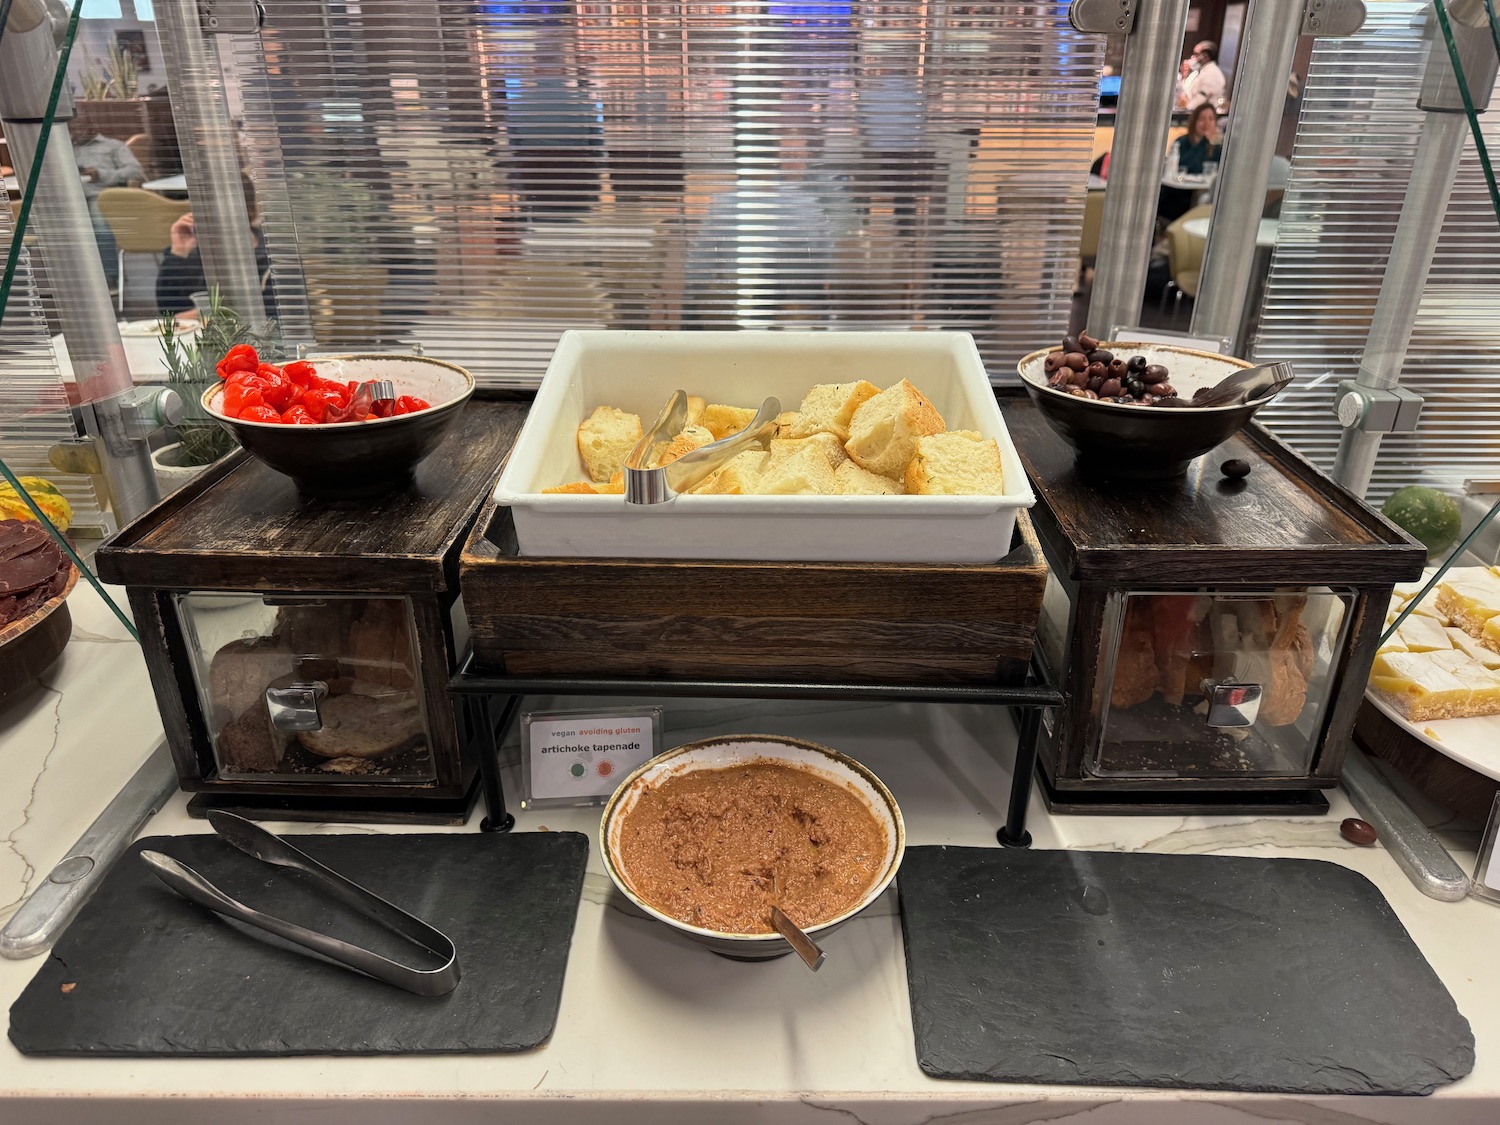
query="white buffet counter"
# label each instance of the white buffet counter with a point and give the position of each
(656, 1030)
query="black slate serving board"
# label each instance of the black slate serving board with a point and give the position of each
(1200, 972)
(142, 971)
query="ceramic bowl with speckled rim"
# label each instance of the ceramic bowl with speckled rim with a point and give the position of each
(354, 459)
(1142, 442)
(728, 751)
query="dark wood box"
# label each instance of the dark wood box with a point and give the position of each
(892, 623)
(242, 527)
(1287, 527)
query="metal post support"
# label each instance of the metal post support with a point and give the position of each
(64, 230)
(1372, 404)
(1148, 78)
(1013, 833)
(1265, 60)
(487, 736)
(201, 114)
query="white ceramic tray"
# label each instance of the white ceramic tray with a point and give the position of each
(636, 371)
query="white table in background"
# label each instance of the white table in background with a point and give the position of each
(168, 185)
(1265, 236)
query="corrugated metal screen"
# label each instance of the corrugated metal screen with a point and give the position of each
(1356, 143)
(34, 400)
(481, 176)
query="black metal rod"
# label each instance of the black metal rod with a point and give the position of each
(488, 737)
(1028, 730)
(478, 683)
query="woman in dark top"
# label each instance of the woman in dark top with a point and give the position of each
(181, 272)
(1190, 153)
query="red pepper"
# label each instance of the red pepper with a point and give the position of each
(300, 371)
(297, 416)
(383, 409)
(268, 370)
(241, 357)
(317, 400)
(410, 404)
(260, 413)
(278, 389)
(238, 397)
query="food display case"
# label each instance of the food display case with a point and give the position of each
(1213, 634)
(300, 648)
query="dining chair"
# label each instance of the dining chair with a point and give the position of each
(1184, 260)
(141, 222)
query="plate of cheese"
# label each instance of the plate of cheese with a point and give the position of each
(1438, 675)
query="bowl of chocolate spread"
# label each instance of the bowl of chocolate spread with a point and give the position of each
(708, 835)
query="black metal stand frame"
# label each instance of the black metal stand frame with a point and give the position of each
(474, 692)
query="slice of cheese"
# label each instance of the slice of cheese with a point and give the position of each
(1473, 649)
(1470, 596)
(1418, 687)
(1423, 634)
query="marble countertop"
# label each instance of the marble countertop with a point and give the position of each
(652, 1028)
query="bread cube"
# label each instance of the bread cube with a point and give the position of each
(962, 463)
(884, 431)
(854, 481)
(829, 408)
(606, 439)
(721, 421)
(826, 443)
(738, 477)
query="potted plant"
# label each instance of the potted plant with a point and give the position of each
(190, 359)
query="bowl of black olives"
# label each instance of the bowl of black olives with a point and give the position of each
(1128, 408)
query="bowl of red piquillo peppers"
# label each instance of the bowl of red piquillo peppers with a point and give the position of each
(324, 422)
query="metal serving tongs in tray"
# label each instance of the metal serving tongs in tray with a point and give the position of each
(254, 840)
(657, 486)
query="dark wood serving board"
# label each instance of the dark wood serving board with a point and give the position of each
(142, 971)
(1286, 518)
(1181, 971)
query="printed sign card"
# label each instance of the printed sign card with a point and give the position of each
(580, 757)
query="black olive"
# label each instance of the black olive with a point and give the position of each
(1235, 468)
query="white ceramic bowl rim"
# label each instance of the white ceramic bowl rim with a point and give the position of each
(211, 393)
(1030, 369)
(843, 760)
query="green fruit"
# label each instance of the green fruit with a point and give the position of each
(1425, 514)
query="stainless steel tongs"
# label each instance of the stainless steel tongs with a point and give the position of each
(256, 841)
(657, 486)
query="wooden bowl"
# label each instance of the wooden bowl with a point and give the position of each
(721, 753)
(348, 459)
(30, 645)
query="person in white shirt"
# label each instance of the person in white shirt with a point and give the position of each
(103, 162)
(1203, 80)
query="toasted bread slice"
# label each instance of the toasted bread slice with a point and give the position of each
(721, 421)
(739, 475)
(826, 443)
(883, 434)
(962, 463)
(606, 439)
(854, 481)
(829, 408)
(695, 408)
(803, 471)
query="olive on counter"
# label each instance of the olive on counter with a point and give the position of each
(1357, 831)
(1235, 469)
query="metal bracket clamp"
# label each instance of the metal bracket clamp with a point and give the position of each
(145, 410)
(1104, 17)
(231, 17)
(1333, 18)
(1392, 410)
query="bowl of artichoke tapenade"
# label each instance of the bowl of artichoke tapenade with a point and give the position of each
(707, 836)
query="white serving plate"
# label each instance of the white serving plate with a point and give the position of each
(636, 371)
(1471, 742)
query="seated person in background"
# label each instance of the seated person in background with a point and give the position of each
(1189, 155)
(181, 273)
(103, 162)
